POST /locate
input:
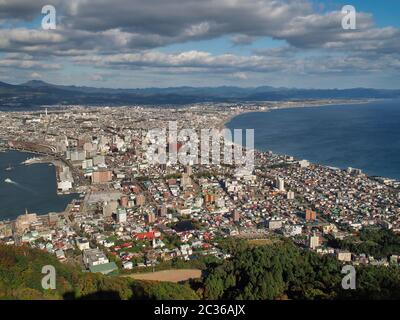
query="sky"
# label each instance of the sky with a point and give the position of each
(158, 43)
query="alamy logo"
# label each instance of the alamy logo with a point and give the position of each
(49, 20)
(349, 280)
(49, 280)
(183, 146)
(349, 19)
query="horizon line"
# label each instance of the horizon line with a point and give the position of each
(194, 87)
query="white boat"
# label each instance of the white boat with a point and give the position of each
(30, 160)
(8, 180)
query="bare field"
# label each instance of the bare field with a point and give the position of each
(172, 275)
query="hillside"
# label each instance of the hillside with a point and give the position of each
(35, 93)
(284, 271)
(255, 272)
(20, 278)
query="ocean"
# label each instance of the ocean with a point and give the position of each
(364, 136)
(32, 187)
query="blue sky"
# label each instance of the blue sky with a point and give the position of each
(147, 43)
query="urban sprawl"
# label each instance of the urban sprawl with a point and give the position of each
(140, 214)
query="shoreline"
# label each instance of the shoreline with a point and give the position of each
(297, 106)
(294, 106)
(51, 160)
(228, 119)
(37, 159)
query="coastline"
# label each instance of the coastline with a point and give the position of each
(37, 160)
(47, 160)
(295, 106)
(238, 112)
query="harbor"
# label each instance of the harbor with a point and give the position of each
(30, 184)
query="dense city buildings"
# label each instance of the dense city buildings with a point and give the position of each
(141, 213)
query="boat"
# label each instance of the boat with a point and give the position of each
(8, 180)
(9, 168)
(30, 160)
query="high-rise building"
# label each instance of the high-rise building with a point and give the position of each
(311, 215)
(86, 164)
(163, 210)
(290, 195)
(121, 215)
(109, 208)
(150, 218)
(140, 199)
(77, 155)
(209, 198)
(314, 242)
(186, 180)
(304, 164)
(280, 184)
(53, 218)
(101, 176)
(124, 201)
(62, 144)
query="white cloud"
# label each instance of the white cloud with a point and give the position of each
(35, 75)
(128, 34)
(240, 76)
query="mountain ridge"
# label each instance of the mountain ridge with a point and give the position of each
(38, 92)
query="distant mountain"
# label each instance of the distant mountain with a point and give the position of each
(5, 85)
(37, 92)
(36, 84)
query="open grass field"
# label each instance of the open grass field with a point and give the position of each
(172, 275)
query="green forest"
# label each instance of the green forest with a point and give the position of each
(21, 277)
(376, 242)
(284, 271)
(257, 272)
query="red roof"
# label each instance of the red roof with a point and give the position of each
(126, 245)
(145, 235)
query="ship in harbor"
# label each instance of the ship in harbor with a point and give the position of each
(9, 168)
(30, 161)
